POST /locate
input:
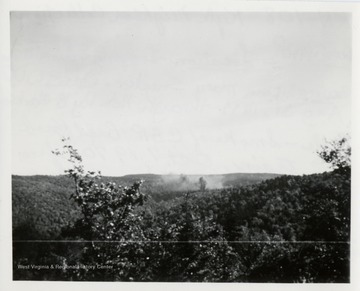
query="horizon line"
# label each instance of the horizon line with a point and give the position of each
(179, 174)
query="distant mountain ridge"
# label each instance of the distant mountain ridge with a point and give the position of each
(42, 200)
(213, 180)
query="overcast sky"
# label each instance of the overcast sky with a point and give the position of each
(194, 93)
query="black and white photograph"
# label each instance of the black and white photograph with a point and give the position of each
(181, 146)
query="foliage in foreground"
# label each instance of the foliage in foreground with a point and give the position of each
(287, 229)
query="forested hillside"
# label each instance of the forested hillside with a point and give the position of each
(41, 205)
(285, 229)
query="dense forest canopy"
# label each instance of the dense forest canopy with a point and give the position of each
(279, 229)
